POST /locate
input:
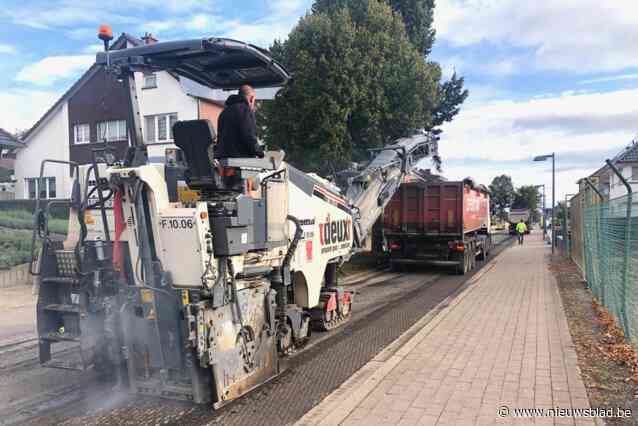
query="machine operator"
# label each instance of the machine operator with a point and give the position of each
(237, 128)
(521, 229)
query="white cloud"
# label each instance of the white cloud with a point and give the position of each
(575, 35)
(200, 22)
(43, 14)
(503, 136)
(22, 108)
(284, 15)
(502, 68)
(56, 16)
(93, 48)
(261, 34)
(7, 48)
(54, 68)
(532, 174)
(287, 7)
(608, 79)
(160, 26)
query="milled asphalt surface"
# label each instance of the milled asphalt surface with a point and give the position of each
(386, 304)
(17, 306)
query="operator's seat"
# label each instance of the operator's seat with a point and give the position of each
(194, 138)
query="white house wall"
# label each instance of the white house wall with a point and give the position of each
(168, 97)
(49, 141)
(617, 188)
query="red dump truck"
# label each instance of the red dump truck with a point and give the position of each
(438, 222)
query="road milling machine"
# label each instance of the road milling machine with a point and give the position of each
(197, 298)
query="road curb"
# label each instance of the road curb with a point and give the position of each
(342, 401)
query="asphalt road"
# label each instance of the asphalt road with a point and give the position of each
(385, 305)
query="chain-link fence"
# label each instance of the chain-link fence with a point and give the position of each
(577, 240)
(610, 236)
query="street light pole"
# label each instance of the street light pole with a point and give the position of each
(543, 158)
(553, 201)
(544, 215)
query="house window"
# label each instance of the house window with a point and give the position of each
(162, 131)
(52, 189)
(159, 128)
(42, 187)
(150, 128)
(150, 81)
(31, 187)
(109, 131)
(82, 133)
(46, 186)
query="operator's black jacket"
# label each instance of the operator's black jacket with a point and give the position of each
(237, 130)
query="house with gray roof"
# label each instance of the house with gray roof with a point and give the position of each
(9, 144)
(608, 183)
(93, 114)
(626, 162)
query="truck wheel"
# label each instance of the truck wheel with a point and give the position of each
(485, 249)
(396, 267)
(461, 267)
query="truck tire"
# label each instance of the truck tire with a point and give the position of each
(485, 249)
(396, 267)
(473, 257)
(483, 253)
(462, 264)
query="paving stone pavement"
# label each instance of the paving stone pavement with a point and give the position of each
(504, 343)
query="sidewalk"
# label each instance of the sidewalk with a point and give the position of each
(503, 342)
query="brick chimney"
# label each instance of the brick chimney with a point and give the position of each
(149, 39)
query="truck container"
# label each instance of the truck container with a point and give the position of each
(516, 215)
(439, 223)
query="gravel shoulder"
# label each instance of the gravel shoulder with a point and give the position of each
(609, 377)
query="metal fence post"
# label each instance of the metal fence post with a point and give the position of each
(599, 239)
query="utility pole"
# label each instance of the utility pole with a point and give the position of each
(553, 201)
(544, 211)
(544, 158)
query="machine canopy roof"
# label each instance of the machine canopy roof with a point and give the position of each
(218, 63)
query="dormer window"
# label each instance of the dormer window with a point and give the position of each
(150, 81)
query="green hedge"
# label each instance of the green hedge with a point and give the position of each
(60, 211)
(15, 247)
(23, 219)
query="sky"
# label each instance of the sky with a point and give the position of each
(545, 76)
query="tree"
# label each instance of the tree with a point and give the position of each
(502, 195)
(417, 16)
(527, 197)
(358, 83)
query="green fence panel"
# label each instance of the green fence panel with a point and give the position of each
(611, 259)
